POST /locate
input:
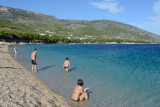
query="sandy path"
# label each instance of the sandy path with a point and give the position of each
(19, 87)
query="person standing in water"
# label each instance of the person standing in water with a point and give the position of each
(15, 49)
(79, 94)
(66, 64)
(33, 60)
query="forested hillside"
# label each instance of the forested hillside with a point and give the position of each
(23, 21)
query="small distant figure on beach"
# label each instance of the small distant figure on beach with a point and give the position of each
(15, 49)
(66, 64)
(79, 94)
(33, 60)
(2, 45)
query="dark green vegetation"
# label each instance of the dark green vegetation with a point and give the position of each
(21, 25)
(14, 36)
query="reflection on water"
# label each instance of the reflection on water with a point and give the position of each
(15, 55)
(79, 103)
(34, 73)
(66, 75)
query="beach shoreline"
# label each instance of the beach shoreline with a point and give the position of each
(108, 43)
(19, 87)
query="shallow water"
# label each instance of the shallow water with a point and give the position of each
(117, 75)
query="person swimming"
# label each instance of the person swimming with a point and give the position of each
(66, 64)
(79, 94)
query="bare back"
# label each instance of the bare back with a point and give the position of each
(77, 92)
(66, 63)
(33, 56)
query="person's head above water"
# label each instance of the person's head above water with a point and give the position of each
(80, 82)
(67, 58)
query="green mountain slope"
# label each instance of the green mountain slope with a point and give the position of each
(27, 21)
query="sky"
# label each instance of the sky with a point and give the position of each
(144, 14)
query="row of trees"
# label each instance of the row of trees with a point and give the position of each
(15, 36)
(104, 40)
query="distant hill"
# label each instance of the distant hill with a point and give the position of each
(27, 21)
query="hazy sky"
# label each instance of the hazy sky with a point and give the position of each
(144, 14)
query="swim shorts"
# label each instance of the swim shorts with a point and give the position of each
(33, 62)
(65, 67)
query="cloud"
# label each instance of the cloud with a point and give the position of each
(154, 18)
(156, 11)
(109, 5)
(151, 26)
(156, 7)
(153, 22)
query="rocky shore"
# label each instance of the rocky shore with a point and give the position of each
(20, 88)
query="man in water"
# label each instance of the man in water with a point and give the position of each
(33, 60)
(66, 64)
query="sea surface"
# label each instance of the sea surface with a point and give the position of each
(118, 75)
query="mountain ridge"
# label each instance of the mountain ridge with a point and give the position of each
(50, 25)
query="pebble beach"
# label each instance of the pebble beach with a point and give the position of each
(21, 88)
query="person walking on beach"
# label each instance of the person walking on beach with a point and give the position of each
(79, 94)
(33, 60)
(66, 64)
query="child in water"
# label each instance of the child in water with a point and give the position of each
(66, 64)
(79, 94)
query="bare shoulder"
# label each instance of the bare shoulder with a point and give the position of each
(66, 61)
(78, 87)
(33, 53)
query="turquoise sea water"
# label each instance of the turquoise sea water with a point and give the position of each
(117, 75)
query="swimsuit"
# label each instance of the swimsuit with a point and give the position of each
(76, 93)
(78, 98)
(33, 62)
(65, 67)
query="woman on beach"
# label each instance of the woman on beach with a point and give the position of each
(79, 94)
